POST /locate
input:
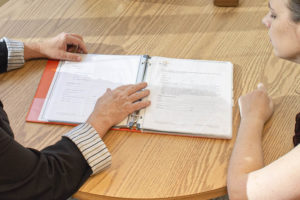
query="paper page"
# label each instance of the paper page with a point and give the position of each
(189, 96)
(77, 85)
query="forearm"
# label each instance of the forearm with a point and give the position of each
(247, 156)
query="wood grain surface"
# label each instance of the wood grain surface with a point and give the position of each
(149, 166)
(226, 3)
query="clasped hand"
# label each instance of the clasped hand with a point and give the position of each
(256, 105)
(64, 46)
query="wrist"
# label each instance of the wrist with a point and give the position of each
(251, 127)
(253, 120)
(32, 50)
(101, 126)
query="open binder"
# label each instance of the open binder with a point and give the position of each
(188, 97)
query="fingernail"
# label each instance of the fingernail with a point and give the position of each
(78, 58)
(260, 85)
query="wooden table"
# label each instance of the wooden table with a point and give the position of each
(226, 3)
(148, 166)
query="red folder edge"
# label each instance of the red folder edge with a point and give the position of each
(41, 93)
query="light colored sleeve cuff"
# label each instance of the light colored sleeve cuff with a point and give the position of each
(15, 51)
(91, 146)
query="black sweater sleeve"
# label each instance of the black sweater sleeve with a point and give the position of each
(56, 172)
(3, 57)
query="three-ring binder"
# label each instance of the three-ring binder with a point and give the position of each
(133, 119)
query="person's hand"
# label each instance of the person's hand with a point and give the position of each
(256, 105)
(117, 104)
(61, 47)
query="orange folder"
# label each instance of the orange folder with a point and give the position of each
(41, 93)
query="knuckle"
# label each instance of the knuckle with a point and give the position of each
(64, 36)
(138, 105)
(260, 92)
(121, 88)
(127, 98)
(133, 108)
(123, 97)
(116, 95)
(127, 86)
(70, 56)
(135, 96)
(129, 108)
(146, 93)
(144, 103)
(61, 54)
(133, 87)
(108, 91)
(77, 35)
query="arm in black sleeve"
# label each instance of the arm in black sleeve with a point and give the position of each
(3, 57)
(56, 172)
(53, 173)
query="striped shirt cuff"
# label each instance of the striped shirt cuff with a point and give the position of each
(15, 54)
(91, 146)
